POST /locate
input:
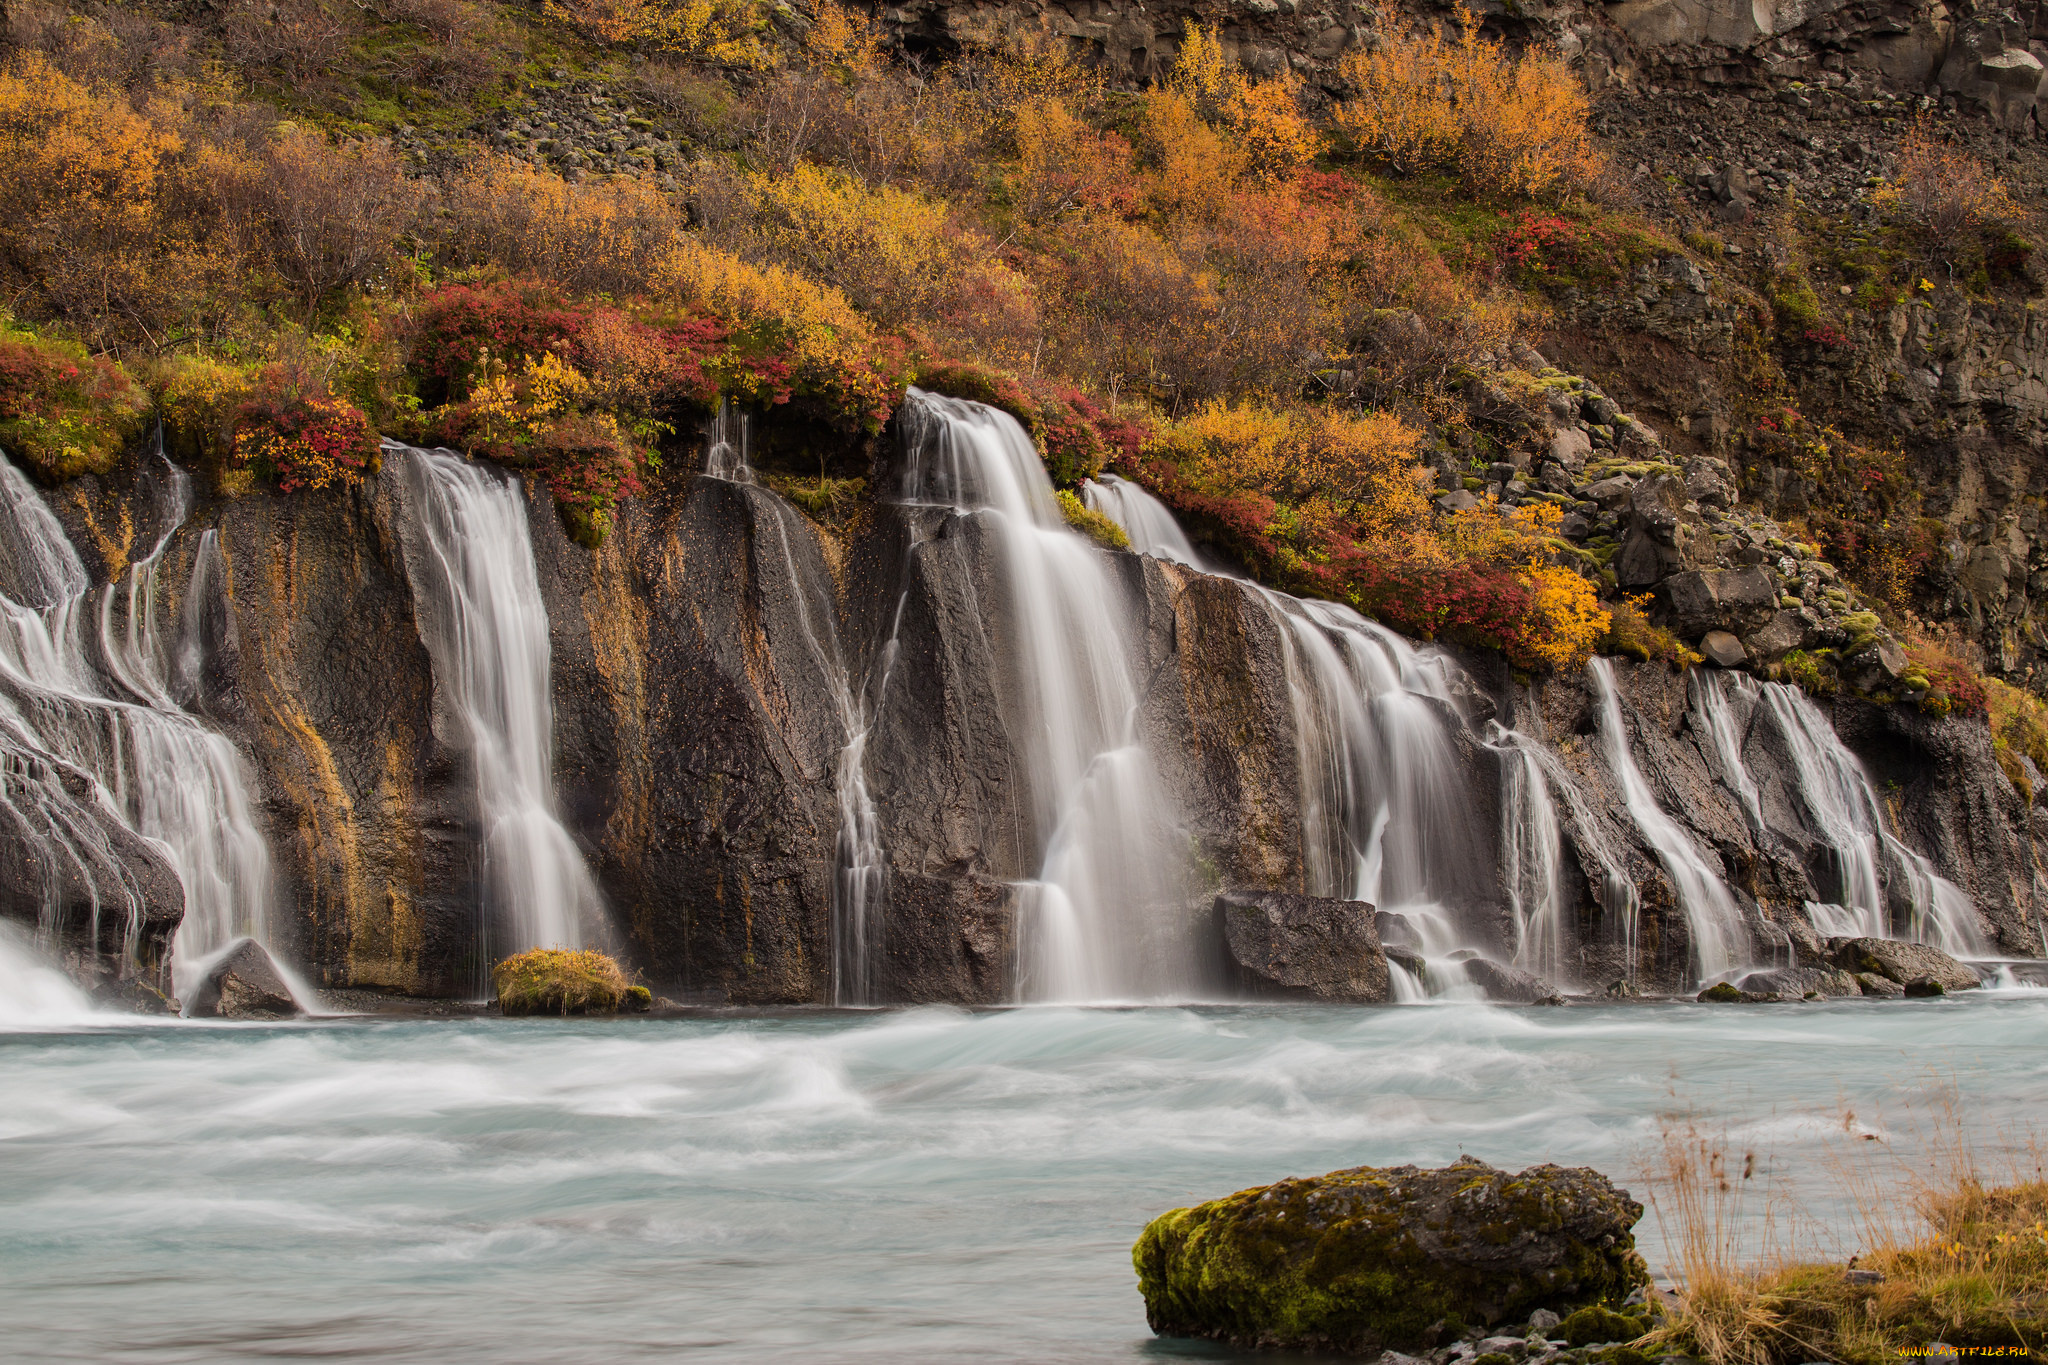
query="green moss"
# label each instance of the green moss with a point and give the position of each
(1337, 1262)
(825, 500)
(1090, 522)
(1813, 673)
(561, 981)
(1721, 993)
(1597, 1323)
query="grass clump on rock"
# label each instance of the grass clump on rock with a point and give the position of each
(565, 981)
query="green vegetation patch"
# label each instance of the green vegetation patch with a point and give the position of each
(561, 981)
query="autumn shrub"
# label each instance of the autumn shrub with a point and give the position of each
(292, 428)
(317, 216)
(1944, 189)
(1507, 125)
(1552, 250)
(93, 232)
(198, 399)
(2019, 733)
(63, 412)
(729, 32)
(900, 258)
(1262, 118)
(1631, 633)
(1064, 166)
(1954, 687)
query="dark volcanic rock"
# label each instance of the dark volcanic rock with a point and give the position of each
(1904, 963)
(1800, 982)
(1304, 947)
(243, 983)
(1373, 1259)
(1510, 985)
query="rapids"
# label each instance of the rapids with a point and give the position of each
(925, 1185)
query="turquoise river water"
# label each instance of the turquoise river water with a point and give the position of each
(920, 1185)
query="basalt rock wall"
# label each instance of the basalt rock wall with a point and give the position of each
(709, 659)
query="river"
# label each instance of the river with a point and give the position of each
(920, 1185)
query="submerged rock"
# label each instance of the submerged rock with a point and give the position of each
(1510, 985)
(1303, 947)
(243, 983)
(1903, 963)
(1800, 982)
(1372, 1259)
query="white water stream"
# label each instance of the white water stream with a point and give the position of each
(487, 633)
(1719, 940)
(1103, 919)
(91, 732)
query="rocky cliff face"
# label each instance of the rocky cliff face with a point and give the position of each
(702, 663)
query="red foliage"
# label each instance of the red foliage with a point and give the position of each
(1950, 677)
(307, 437)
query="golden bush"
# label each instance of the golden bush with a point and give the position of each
(1506, 125)
(1944, 188)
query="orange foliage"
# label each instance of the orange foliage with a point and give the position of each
(1943, 188)
(1506, 125)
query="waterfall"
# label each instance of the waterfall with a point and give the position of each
(33, 993)
(92, 730)
(1106, 916)
(726, 440)
(487, 633)
(1151, 529)
(860, 869)
(1382, 795)
(1709, 698)
(1532, 855)
(1719, 939)
(1842, 804)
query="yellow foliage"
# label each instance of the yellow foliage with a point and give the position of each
(87, 231)
(1195, 168)
(1063, 164)
(1262, 118)
(1569, 621)
(716, 30)
(1366, 464)
(1507, 125)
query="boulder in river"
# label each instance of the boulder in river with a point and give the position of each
(1373, 1259)
(243, 983)
(1302, 947)
(1510, 985)
(1902, 962)
(1799, 983)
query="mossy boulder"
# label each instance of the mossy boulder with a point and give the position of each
(1372, 1259)
(564, 981)
(1597, 1324)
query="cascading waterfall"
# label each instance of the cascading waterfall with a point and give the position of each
(726, 439)
(1382, 793)
(488, 638)
(1719, 939)
(105, 712)
(33, 993)
(1532, 855)
(1147, 523)
(1104, 919)
(860, 870)
(1842, 804)
(1709, 698)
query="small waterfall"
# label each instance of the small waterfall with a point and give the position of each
(1709, 701)
(1532, 855)
(726, 440)
(1151, 528)
(1719, 939)
(1843, 807)
(487, 634)
(1106, 916)
(34, 994)
(1381, 790)
(92, 730)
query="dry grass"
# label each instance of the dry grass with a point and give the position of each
(1947, 1255)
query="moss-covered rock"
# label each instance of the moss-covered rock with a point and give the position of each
(1596, 1324)
(1373, 1259)
(561, 981)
